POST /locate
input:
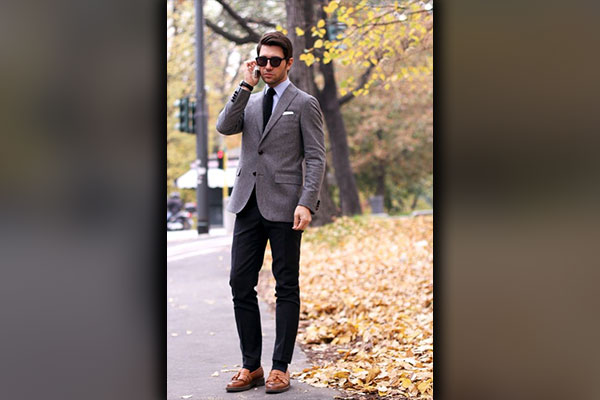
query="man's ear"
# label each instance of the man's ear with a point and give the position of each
(290, 62)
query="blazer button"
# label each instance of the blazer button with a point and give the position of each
(254, 173)
(260, 152)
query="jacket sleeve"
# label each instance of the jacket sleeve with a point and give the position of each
(231, 118)
(311, 125)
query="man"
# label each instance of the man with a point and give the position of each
(273, 197)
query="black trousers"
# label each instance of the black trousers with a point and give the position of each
(251, 232)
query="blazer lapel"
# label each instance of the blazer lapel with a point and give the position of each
(282, 105)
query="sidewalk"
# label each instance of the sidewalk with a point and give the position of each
(192, 234)
(202, 343)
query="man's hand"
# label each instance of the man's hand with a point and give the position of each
(248, 69)
(302, 218)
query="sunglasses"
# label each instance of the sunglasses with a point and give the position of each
(275, 61)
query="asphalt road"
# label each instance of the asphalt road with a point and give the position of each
(202, 344)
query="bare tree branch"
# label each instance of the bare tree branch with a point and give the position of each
(362, 82)
(261, 22)
(239, 19)
(230, 36)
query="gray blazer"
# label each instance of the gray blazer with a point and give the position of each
(286, 162)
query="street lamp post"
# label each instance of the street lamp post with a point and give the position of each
(201, 125)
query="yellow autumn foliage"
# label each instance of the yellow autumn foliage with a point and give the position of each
(381, 37)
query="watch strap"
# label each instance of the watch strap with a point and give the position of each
(246, 85)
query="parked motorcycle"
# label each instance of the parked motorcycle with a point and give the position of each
(181, 220)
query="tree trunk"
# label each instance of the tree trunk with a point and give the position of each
(415, 200)
(380, 188)
(328, 209)
(380, 184)
(338, 139)
(300, 13)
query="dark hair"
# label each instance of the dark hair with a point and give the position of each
(276, 38)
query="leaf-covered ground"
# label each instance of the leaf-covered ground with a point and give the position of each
(366, 318)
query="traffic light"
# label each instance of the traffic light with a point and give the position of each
(193, 117)
(220, 158)
(185, 114)
(334, 28)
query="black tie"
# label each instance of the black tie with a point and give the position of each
(267, 106)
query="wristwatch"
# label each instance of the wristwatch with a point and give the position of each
(246, 85)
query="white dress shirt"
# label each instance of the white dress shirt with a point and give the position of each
(279, 89)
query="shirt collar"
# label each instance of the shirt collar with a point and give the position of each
(279, 89)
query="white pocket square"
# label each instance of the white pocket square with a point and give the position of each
(287, 113)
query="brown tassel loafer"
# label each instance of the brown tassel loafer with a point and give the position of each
(245, 380)
(278, 381)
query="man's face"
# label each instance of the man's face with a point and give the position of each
(271, 75)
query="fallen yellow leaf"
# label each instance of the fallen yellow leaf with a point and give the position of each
(423, 386)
